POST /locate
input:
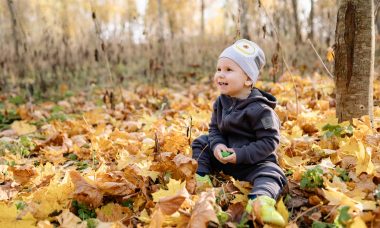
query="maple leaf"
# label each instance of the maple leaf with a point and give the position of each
(23, 128)
(281, 208)
(67, 220)
(9, 217)
(171, 200)
(112, 212)
(54, 197)
(85, 192)
(203, 211)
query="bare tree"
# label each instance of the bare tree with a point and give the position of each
(311, 19)
(354, 59)
(296, 21)
(243, 9)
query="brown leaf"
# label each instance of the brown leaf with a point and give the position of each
(23, 174)
(203, 212)
(236, 211)
(186, 165)
(157, 219)
(7, 191)
(112, 212)
(314, 200)
(114, 183)
(85, 192)
(67, 220)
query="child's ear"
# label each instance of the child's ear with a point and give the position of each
(248, 83)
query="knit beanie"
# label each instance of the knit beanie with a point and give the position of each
(248, 55)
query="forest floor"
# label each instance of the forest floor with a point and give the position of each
(96, 159)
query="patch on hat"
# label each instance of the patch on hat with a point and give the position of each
(245, 48)
(267, 122)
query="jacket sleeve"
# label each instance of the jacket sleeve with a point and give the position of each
(266, 126)
(215, 136)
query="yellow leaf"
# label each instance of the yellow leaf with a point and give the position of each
(23, 128)
(356, 148)
(358, 223)
(330, 54)
(67, 219)
(294, 162)
(54, 197)
(241, 185)
(283, 210)
(337, 198)
(169, 201)
(174, 187)
(240, 198)
(8, 217)
(112, 212)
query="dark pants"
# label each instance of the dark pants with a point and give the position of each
(266, 177)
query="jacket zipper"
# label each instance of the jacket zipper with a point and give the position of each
(229, 111)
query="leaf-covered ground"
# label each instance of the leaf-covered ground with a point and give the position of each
(124, 159)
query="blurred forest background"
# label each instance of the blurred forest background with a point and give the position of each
(61, 45)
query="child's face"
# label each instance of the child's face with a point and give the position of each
(231, 79)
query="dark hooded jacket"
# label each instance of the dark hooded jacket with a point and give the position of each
(250, 126)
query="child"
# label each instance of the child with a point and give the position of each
(245, 125)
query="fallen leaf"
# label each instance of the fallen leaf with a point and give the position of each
(203, 211)
(85, 192)
(112, 212)
(68, 220)
(283, 210)
(170, 200)
(9, 217)
(23, 128)
(23, 174)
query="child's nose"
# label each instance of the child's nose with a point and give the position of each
(219, 74)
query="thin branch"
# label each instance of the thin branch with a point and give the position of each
(329, 73)
(282, 54)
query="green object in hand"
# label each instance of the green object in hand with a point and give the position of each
(226, 153)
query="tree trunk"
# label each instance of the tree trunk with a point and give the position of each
(354, 59)
(160, 58)
(14, 29)
(311, 19)
(296, 22)
(202, 18)
(243, 9)
(377, 16)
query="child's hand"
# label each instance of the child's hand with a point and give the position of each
(226, 158)
(230, 158)
(218, 152)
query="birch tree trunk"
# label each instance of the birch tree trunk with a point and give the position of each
(243, 9)
(354, 59)
(296, 21)
(311, 19)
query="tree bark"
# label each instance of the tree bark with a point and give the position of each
(160, 58)
(377, 16)
(243, 9)
(296, 21)
(202, 18)
(311, 19)
(14, 29)
(354, 59)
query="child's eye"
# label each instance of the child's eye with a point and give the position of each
(229, 69)
(218, 69)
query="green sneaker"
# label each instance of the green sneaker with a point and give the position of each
(263, 209)
(203, 180)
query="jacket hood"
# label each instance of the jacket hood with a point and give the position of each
(256, 95)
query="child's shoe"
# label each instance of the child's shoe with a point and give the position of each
(262, 208)
(203, 180)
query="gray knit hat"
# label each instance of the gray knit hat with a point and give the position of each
(248, 55)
